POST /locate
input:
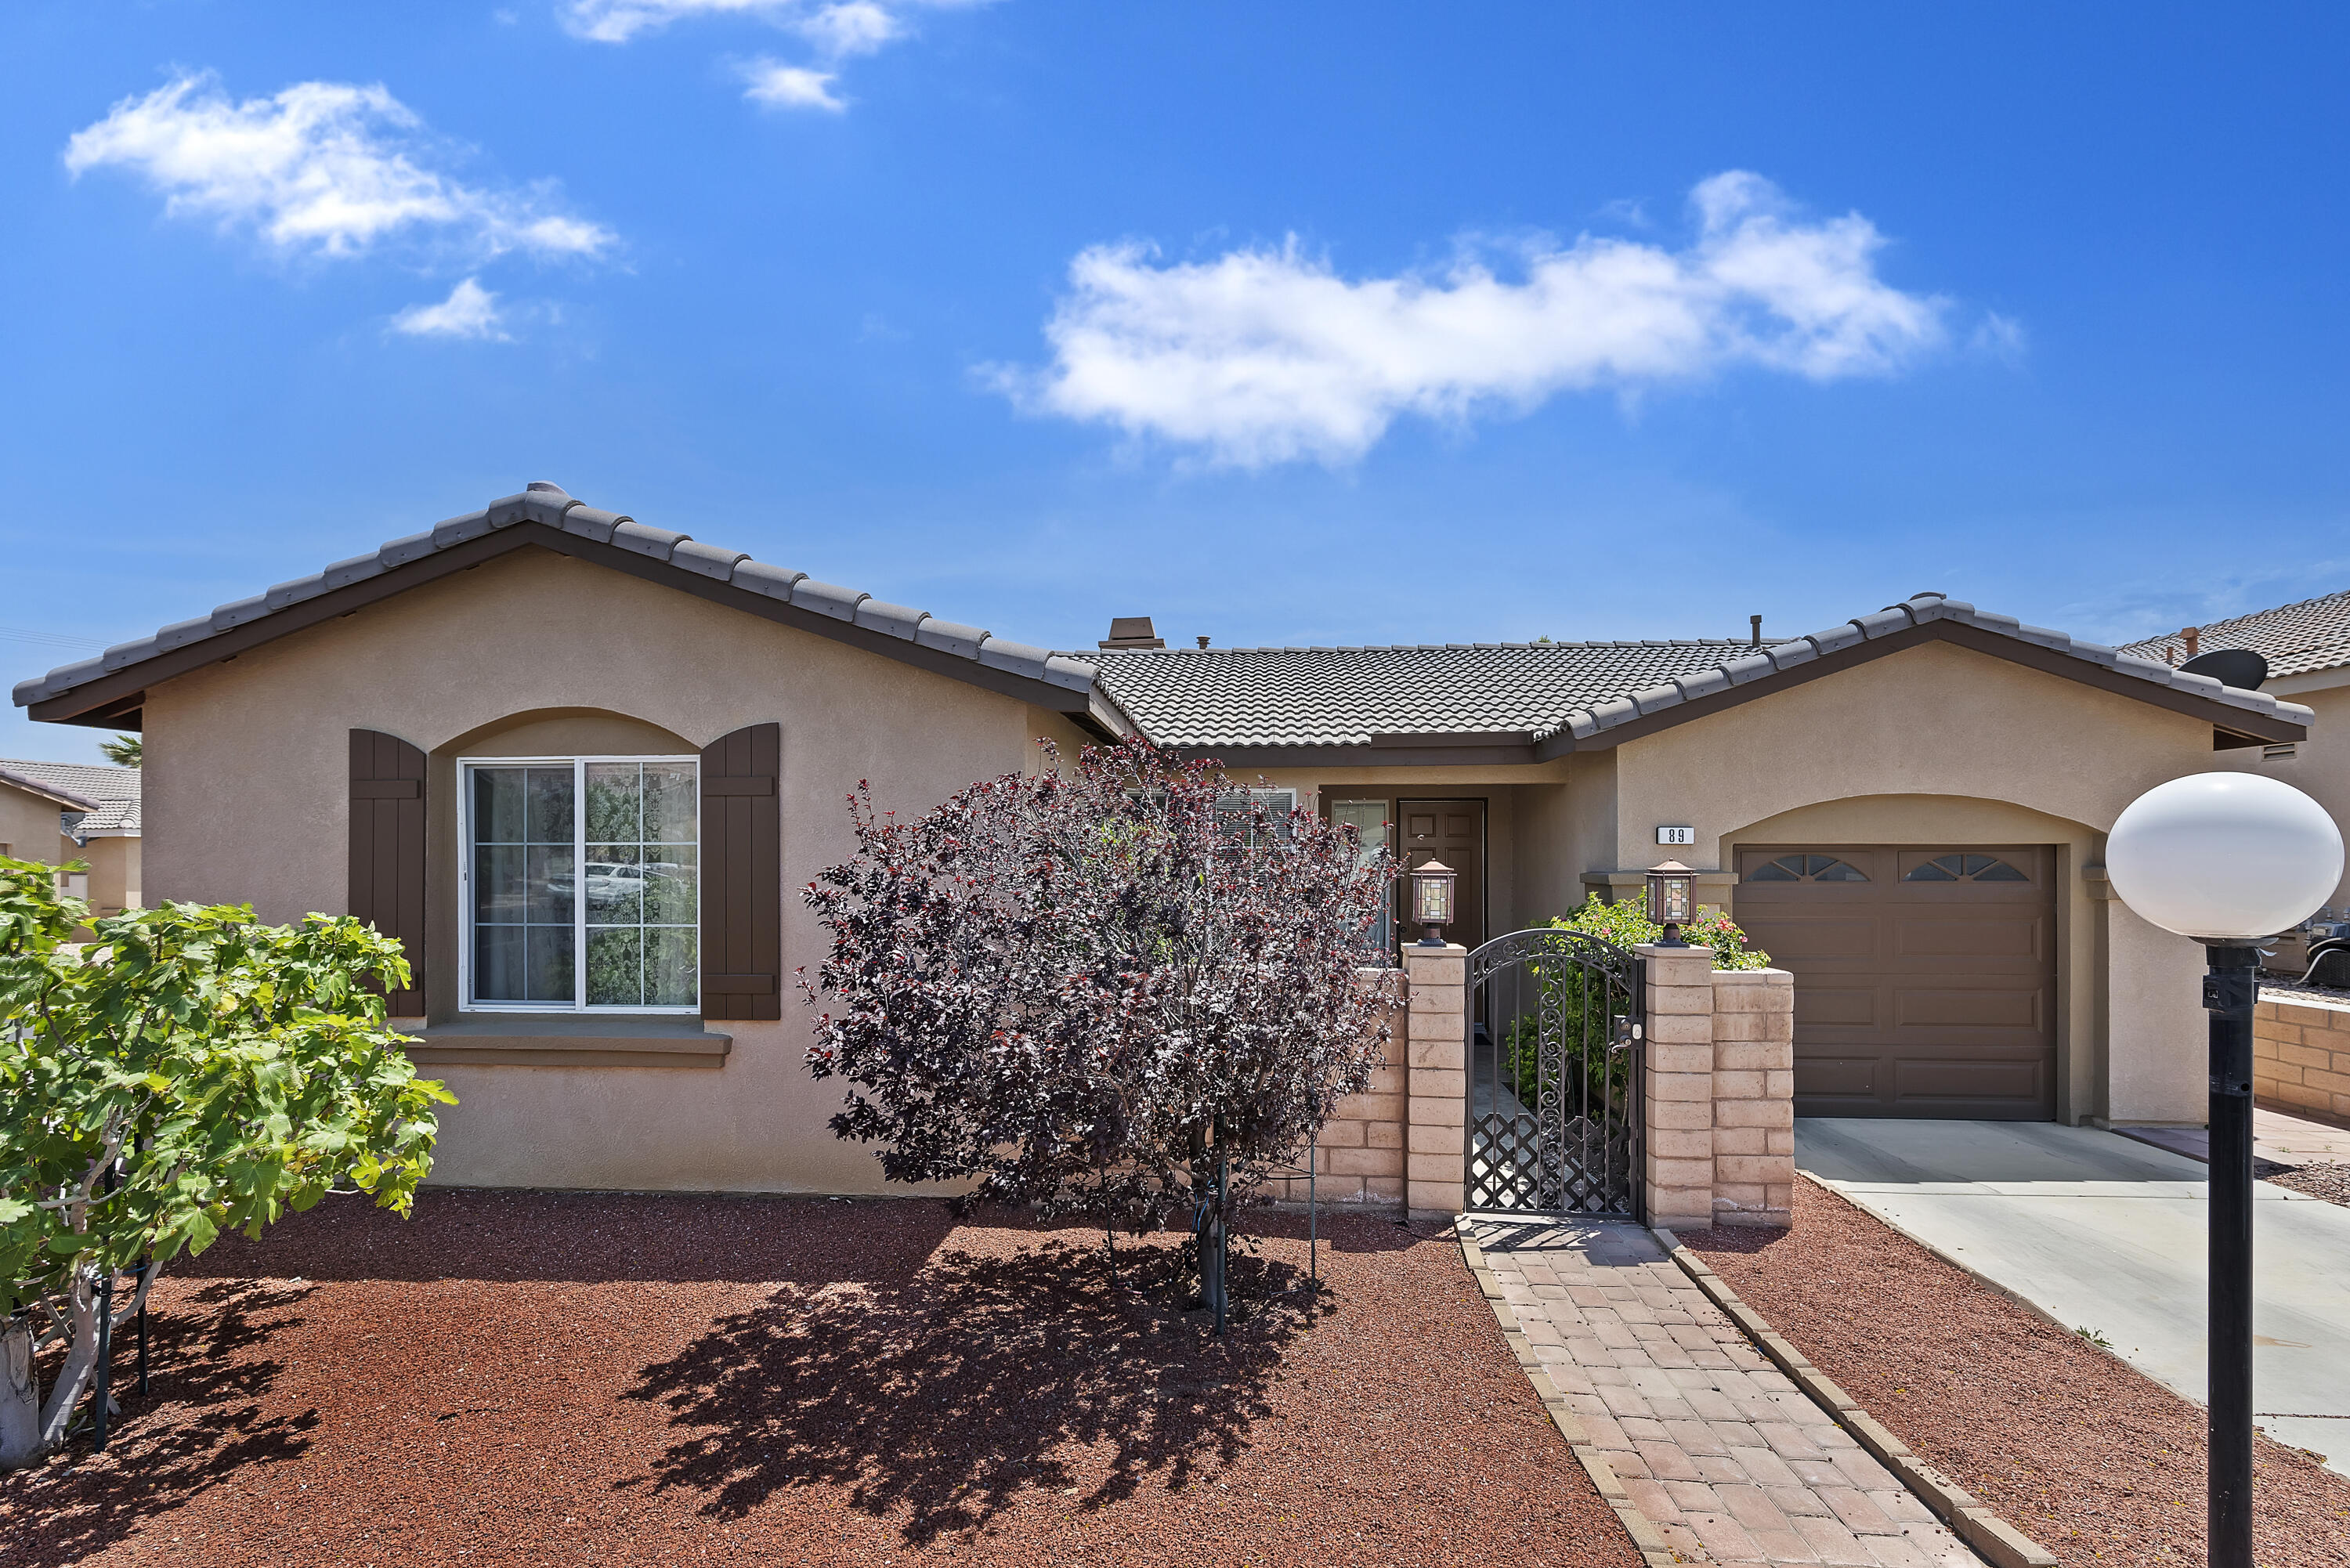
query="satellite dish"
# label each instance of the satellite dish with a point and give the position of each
(2238, 667)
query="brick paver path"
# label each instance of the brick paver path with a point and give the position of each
(1714, 1443)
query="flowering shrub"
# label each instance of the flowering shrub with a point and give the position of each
(1584, 1016)
(1120, 989)
(1628, 925)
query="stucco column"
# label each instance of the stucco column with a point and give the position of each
(1677, 1087)
(1437, 1109)
(1753, 1096)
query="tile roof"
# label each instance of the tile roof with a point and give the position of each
(2295, 639)
(1549, 694)
(1545, 692)
(550, 505)
(104, 800)
(1344, 696)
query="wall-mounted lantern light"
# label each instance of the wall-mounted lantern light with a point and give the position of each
(1431, 901)
(1672, 899)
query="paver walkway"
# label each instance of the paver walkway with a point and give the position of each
(1714, 1443)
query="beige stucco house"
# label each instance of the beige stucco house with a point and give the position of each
(2307, 648)
(582, 765)
(67, 812)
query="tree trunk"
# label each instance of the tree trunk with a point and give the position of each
(20, 1397)
(81, 1360)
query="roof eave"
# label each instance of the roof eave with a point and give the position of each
(1614, 728)
(114, 699)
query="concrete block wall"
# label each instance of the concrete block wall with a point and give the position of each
(1718, 1092)
(2300, 1058)
(1360, 1156)
(1436, 1104)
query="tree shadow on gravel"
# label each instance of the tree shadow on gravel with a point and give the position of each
(199, 1424)
(944, 1394)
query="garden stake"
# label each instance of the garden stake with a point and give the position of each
(145, 1269)
(105, 1353)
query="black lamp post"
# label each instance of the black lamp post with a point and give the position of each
(1431, 901)
(1673, 900)
(2227, 859)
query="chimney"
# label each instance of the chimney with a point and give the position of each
(1755, 623)
(2191, 635)
(1132, 631)
(1203, 642)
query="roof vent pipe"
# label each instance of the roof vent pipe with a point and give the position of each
(1203, 642)
(2190, 635)
(1755, 623)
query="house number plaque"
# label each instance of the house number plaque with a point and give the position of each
(1677, 836)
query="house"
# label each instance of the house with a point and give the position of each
(60, 812)
(2307, 647)
(582, 765)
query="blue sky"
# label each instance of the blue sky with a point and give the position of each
(1302, 323)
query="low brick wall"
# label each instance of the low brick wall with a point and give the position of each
(2300, 1058)
(1360, 1156)
(1720, 1097)
(1719, 1135)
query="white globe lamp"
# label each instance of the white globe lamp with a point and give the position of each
(2227, 859)
(2224, 856)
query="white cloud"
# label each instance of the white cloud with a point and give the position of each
(840, 26)
(851, 28)
(325, 167)
(779, 85)
(470, 311)
(1268, 356)
(837, 30)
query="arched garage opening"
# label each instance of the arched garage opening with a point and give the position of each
(1944, 954)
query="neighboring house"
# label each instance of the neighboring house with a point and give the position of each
(583, 767)
(2307, 646)
(60, 812)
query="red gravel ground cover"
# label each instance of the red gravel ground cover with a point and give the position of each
(575, 1379)
(2075, 1448)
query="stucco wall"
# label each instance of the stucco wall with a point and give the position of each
(247, 791)
(1940, 721)
(2320, 765)
(28, 825)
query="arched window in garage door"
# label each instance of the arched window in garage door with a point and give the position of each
(1807, 868)
(1964, 868)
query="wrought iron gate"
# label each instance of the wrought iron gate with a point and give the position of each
(1554, 1048)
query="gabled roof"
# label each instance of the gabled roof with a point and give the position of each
(2295, 639)
(1457, 704)
(107, 690)
(1506, 703)
(105, 800)
(17, 775)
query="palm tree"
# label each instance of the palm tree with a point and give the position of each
(123, 751)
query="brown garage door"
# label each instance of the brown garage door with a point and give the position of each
(1925, 976)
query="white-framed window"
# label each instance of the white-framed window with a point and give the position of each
(1236, 813)
(581, 884)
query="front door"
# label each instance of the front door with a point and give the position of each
(1452, 831)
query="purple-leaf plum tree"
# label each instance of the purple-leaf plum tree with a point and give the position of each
(1123, 988)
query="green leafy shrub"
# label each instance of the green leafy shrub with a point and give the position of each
(1584, 1007)
(188, 1071)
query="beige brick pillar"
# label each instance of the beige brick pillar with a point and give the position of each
(1677, 1087)
(1438, 1103)
(1753, 1096)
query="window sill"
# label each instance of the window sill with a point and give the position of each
(569, 1039)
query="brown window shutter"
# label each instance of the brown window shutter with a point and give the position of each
(742, 875)
(387, 887)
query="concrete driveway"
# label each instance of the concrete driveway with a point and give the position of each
(2103, 1232)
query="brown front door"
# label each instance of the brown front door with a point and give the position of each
(1452, 831)
(1925, 975)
